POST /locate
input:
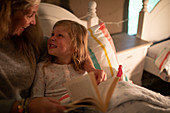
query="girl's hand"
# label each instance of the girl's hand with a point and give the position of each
(45, 105)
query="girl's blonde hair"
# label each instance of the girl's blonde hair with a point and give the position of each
(29, 42)
(78, 34)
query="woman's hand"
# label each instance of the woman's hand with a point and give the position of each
(45, 105)
(100, 75)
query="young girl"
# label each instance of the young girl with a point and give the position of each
(67, 52)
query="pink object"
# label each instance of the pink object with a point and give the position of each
(120, 72)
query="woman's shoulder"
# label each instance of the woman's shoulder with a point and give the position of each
(40, 64)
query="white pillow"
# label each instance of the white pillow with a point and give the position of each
(102, 49)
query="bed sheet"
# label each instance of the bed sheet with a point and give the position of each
(160, 53)
(154, 50)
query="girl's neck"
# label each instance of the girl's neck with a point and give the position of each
(63, 61)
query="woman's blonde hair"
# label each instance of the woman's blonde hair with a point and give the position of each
(78, 34)
(7, 9)
(31, 38)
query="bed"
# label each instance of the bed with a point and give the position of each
(154, 27)
(128, 97)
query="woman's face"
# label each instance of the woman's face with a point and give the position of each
(60, 44)
(21, 21)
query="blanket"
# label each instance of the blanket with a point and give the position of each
(162, 61)
(131, 98)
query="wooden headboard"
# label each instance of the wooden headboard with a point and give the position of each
(155, 25)
(49, 14)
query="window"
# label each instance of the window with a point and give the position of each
(135, 7)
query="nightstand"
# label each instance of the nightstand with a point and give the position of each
(131, 52)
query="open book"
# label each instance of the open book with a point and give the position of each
(84, 92)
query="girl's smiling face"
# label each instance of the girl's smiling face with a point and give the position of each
(20, 21)
(60, 44)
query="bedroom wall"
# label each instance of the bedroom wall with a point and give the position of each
(107, 11)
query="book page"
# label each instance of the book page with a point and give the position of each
(111, 91)
(81, 87)
(87, 102)
(107, 88)
(104, 87)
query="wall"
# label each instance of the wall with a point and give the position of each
(107, 11)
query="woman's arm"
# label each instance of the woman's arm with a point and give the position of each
(89, 64)
(40, 105)
(99, 74)
(6, 105)
(45, 105)
(38, 88)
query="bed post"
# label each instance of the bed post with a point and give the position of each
(143, 21)
(92, 18)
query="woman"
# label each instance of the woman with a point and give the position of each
(20, 49)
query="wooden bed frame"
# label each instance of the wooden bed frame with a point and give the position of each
(154, 26)
(49, 14)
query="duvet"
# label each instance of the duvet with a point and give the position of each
(131, 98)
